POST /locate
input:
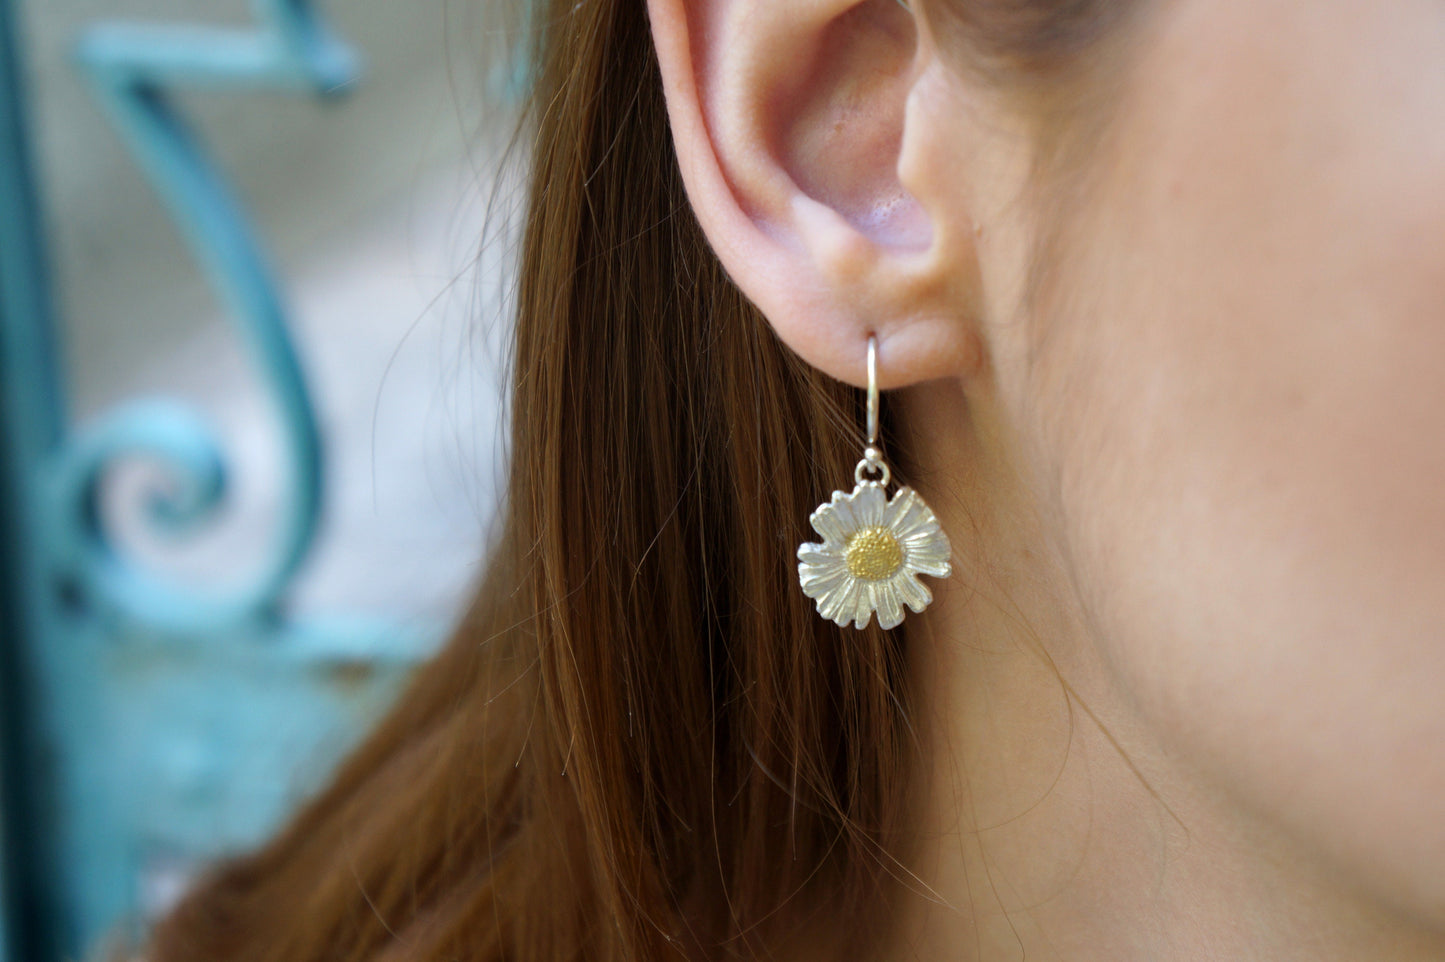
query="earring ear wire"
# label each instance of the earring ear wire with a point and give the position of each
(874, 548)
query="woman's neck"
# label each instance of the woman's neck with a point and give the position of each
(1052, 823)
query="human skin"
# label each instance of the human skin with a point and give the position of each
(1182, 698)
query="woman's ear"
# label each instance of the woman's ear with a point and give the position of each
(788, 119)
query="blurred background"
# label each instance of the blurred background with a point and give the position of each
(137, 746)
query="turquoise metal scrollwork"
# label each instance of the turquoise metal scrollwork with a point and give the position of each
(129, 751)
(30, 418)
(132, 69)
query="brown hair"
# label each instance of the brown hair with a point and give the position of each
(640, 742)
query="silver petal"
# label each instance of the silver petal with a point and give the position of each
(900, 505)
(826, 521)
(930, 556)
(914, 593)
(830, 601)
(939, 569)
(863, 606)
(885, 599)
(916, 516)
(869, 503)
(847, 513)
(826, 554)
(817, 582)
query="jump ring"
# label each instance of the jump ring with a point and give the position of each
(865, 465)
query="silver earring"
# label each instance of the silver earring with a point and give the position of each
(874, 548)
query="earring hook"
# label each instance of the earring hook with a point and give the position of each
(872, 457)
(872, 389)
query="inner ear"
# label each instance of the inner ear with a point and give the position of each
(838, 135)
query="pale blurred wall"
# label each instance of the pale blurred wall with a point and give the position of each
(304, 167)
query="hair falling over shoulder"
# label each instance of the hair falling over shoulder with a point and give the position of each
(641, 742)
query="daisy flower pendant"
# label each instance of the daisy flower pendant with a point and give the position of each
(874, 548)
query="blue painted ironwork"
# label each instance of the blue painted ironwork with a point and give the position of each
(100, 641)
(132, 69)
(30, 427)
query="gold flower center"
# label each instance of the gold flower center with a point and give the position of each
(873, 554)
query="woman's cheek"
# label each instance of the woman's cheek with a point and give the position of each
(1248, 413)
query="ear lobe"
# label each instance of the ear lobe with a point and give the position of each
(788, 119)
